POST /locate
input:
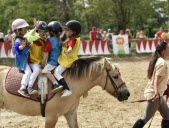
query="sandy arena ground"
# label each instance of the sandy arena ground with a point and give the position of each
(99, 109)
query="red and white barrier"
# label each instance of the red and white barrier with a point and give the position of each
(147, 46)
(5, 50)
(86, 48)
(97, 47)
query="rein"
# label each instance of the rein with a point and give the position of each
(113, 83)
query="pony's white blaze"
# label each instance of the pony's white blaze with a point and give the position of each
(85, 74)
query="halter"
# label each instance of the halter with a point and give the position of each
(113, 83)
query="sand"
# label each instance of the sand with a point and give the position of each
(99, 109)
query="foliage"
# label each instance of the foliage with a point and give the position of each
(148, 15)
(85, 37)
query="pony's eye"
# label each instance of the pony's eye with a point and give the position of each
(116, 77)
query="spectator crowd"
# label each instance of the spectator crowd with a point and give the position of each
(8, 37)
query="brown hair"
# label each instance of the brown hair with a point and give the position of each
(158, 53)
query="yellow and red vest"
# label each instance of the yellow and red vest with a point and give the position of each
(67, 60)
(36, 51)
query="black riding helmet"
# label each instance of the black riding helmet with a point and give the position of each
(73, 25)
(43, 26)
(55, 26)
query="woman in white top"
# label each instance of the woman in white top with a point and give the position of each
(157, 84)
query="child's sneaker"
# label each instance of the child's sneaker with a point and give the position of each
(57, 88)
(23, 92)
(32, 91)
(66, 93)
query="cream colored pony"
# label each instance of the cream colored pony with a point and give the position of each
(84, 75)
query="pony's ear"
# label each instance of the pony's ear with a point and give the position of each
(116, 65)
(107, 64)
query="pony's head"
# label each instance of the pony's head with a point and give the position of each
(99, 71)
(114, 84)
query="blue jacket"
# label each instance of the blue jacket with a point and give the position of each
(55, 50)
(21, 55)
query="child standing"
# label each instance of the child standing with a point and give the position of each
(52, 51)
(158, 77)
(21, 50)
(36, 37)
(69, 53)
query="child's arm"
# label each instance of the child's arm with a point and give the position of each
(46, 51)
(68, 50)
(22, 45)
(32, 35)
(62, 35)
(45, 57)
(36, 24)
(70, 46)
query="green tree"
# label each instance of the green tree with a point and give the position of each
(104, 14)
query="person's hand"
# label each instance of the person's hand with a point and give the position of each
(23, 43)
(66, 52)
(42, 65)
(154, 96)
(36, 23)
(64, 42)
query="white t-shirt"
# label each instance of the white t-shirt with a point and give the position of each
(160, 69)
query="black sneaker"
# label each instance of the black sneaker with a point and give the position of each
(23, 92)
(57, 88)
(32, 91)
(21, 71)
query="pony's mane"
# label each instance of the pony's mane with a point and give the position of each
(83, 67)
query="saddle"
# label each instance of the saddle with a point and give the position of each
(13, 83)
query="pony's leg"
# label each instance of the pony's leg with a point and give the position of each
(71, 118)
(51, 121)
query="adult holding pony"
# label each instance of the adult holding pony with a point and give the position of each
(158, 77)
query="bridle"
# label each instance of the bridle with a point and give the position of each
(113, 84)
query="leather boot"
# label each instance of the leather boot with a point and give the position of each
(139, 124)
(165, 124)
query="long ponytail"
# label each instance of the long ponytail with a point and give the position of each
(158, 53)
(152, 65)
